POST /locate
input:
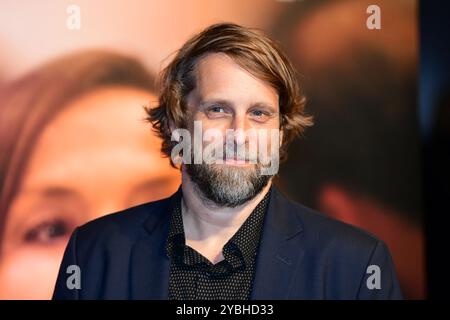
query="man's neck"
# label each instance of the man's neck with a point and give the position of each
(208, 228)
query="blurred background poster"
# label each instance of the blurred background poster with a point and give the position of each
(75, 76)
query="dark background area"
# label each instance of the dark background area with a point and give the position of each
(435, 115)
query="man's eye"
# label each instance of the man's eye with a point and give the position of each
(259, 115)
(218, 109)
(47, 232)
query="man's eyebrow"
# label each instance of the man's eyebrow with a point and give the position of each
(260, 104)
(264, 105)
(209, 102)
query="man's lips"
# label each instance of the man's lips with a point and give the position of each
(234, 161)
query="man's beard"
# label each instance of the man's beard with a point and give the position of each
(227, 185)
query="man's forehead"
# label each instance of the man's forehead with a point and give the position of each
(218, 67)
(219, 77)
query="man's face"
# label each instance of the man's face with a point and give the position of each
(230, 100)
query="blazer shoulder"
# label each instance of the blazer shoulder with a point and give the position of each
(326, 230)
(127, 223)
(343, 254)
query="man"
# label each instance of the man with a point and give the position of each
(227, 233)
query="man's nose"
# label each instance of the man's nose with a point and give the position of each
(240, 126)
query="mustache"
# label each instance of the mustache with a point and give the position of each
(220, 152)
(238, 153)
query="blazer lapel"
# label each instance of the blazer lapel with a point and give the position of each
(150, 266)
(280, 252)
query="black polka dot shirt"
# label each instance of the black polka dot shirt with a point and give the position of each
(192, 276)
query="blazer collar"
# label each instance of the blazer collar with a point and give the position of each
(280, 252)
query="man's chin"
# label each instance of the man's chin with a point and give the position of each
(227, 185)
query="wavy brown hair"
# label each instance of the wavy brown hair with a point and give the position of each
(251, 50)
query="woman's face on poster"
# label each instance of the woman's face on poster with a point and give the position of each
(97, 156)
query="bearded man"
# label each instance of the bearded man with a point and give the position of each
(227, 233)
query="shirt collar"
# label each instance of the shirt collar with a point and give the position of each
(239, 251)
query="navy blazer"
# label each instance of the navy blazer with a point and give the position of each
(303, 255)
